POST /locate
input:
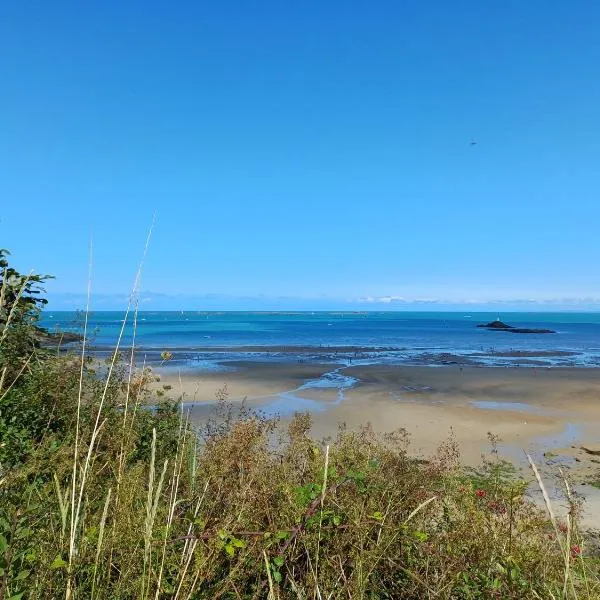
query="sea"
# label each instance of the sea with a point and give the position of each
(212, 340)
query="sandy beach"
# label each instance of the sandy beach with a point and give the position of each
(550, 413)
(523, 406)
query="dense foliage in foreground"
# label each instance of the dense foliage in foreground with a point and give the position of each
(103, 498)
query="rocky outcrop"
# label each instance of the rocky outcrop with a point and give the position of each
(500, 326)
(55, 338)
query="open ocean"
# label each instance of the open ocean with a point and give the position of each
(211, 339)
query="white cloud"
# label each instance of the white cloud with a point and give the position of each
(381, 299)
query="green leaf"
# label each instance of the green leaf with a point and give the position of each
(238, 543)
(278, 561)
(24, 533)
(229, 549)
(22, 575)
(421, 536)
(17, 596)
(337, 520)
(377, 516)
(3, 543)
(277, 576)
(58, 563)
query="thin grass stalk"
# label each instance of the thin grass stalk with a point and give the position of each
(396, 534)
(78, 417)
(124, 438)
(100, 540)
(382, 522)
(183, 573)
(97, 421)
(131, 362)
(190, 526)
(271, 595)
(192, 466)
(136, 403)
(128, 391)
(195, 580)
(150, 497)
(7, 325)
(62, 507)
(567, 555)
(11, 313)
(153, 517)
(25, 365)
(2, 378)
(9, 319)
(323, 491)
(127, 396)
(3, 287)
(570, 530)
(178, 464)
(419, 508)
(151, 509)
(2, 294)
(565, 547)
(189, 546)
(547, 502)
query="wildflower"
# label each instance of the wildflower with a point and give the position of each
(562, 528)
(575, 551)
(480, 493)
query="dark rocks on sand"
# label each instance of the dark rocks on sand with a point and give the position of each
(500, 326)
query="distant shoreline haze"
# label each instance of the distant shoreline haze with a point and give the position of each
(158, 302)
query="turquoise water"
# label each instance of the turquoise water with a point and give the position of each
(400, 336)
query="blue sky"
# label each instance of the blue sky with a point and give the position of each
(318, 151)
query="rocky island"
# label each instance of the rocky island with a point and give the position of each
(47, 338)
(500, 326)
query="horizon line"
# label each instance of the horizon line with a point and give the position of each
(455, 309)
